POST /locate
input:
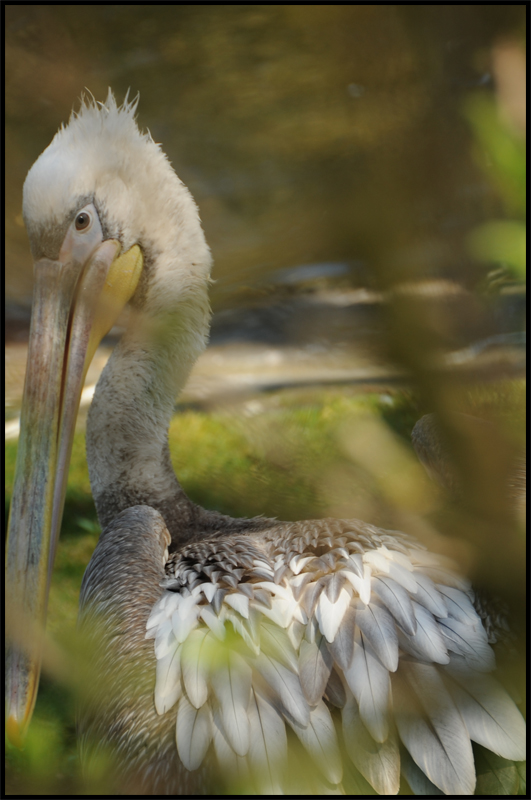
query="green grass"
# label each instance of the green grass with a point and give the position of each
(287, 457)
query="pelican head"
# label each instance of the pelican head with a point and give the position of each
(108, 222)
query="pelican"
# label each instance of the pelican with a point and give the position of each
(324, 656)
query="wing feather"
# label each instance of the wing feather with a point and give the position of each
(315, 666)
(319, 738)
(378, 762)
(379, 630)
(459, 604)
(491, 717)
(432, 729)
(165, 641)
(429, 596)
(469, 641)
(330, 614)
(368, 680)
(419, 783)
(268, 747)
(427, 644)
(239, 602)
(275, 642)
(196, 660)
(193, 733)
(403, 577)
(335, 691)
(231, 682)
(184, 618)
(233, 765)
(397, 601)
(213, 621)
(286, 685)
(342, 646)
(168, 681)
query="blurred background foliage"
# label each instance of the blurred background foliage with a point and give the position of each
(381, 144)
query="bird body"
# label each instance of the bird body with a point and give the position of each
(325, 654)
(344, 635)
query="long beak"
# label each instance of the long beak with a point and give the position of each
(74, 305)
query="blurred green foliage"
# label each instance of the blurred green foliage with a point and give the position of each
(501, 150)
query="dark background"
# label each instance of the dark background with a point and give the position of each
(307, 134)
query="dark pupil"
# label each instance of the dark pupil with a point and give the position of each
(82, 221)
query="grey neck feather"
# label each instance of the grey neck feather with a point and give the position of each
(127, 427)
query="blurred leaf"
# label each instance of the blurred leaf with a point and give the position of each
(495, 775)
(503, 152)
(501, 241)
(89, 525)
(399, 476)
(521, 768)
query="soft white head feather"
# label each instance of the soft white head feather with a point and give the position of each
(102, 157)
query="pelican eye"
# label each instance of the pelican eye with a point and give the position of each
(83, 221)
